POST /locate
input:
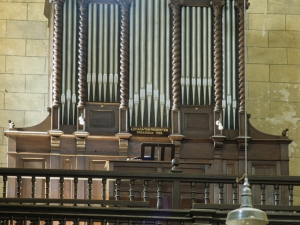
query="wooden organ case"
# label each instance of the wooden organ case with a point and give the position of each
(127, 72)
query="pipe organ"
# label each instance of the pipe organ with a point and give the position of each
(132, 73)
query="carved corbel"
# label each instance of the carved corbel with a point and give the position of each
(123, 143)
(243, 142)
(81, 140)
(176, 140)
(55, 139)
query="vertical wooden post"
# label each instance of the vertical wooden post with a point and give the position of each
(218, 137)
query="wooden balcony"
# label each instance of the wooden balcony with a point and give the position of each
(120, 197)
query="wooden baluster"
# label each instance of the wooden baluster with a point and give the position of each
(103, 189)
(19, 186)
(131, 190)
(145, 190)
(206, 193)
(159, 195)
(221, 185)
(47, 188)
(75, 181)
(61, 188)
(117, 190)
(4, 186)
(90, 182)
(193, 192)
(291, 187)
(276, 194)
(234, 193)
(263, 194)
(33, 186)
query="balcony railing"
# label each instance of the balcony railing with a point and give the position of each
(116, 197)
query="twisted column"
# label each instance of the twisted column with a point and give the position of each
(241, 52)
(56, 60)
(82, 43)
(217, 7)
(124, 49)
(175, 6)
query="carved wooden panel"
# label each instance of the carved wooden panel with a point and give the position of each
(102, 118)
(196, 122)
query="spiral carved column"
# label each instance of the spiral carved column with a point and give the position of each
(217, 5)
(124, 71)
(55, 133)
(175, 6)
(241, 7)
(81, 134)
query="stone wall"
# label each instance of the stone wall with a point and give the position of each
(23, 65)
(273, 71)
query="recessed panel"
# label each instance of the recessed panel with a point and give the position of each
(197, 121)
(102, 118)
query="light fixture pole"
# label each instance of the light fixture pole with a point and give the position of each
(246, 214)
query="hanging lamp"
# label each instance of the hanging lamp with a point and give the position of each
(246, 214)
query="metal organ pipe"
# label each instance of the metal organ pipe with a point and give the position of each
(136, 59)
(116, 51)
(89, 66)
(100, 53)
(224, 63)
(105, 50)
(234, 75)
(194, 55)
(111, 50)
(94, 50)
(69, 65)
(199, 53)
(143, 61)
(63, 96)
(209, 55)
(156, 59)
(205, 56)
(74, 64)
(168, 59)
(188, 55)
(183, 54)
(131, 60)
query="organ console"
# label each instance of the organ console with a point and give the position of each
(174, 65)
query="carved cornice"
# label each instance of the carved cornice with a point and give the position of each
(240, 5)
(217, 6)
(175, 4)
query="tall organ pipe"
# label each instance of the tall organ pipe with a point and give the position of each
(183, 53)
(136, 60)
(162, 61)
(143, 61)
(156, 59)
(209, 57)
(229, 61)
(194, 55)
(116, 50)
(199, 52)
(131, 60)
(111, 50)
(89, 66)
(105, 51)
(150, 58)
(94, 50)
(224, 64)
(188, 55)
(205, 56)
(100, 53)
(74, 61)
(168, 59)
(64, 58)
(234, 77)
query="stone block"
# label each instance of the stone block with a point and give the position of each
(36, 12)
(12, 83)
(292, 22)
(25, 65)
(37, 83)
(26, 29)
(12, 47)
(33, 118)
(24, 101)
(285, 73)
(2, 99)
(284, 39)
(25, 1)
(294, 92)
(257, 38)
(294, 167)
(258, 109)
(257, 72)
(257, 6)
(17, 116)
(37, 48)
(294, 150)
(2, 28)
(279, 92)
(294, 56)
(2, 64)
(13, 11)
(266, 22)
(258, 91)
(284, 6)
(267, 55)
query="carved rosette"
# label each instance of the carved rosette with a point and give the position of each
(56, 60)
(124, 50)
(217, 7)
(175, 6)
(82, 43)
(241, 52)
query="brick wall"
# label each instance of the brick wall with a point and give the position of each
(23, 65)
(273, 71)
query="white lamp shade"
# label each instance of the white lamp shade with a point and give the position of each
(247, 216)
